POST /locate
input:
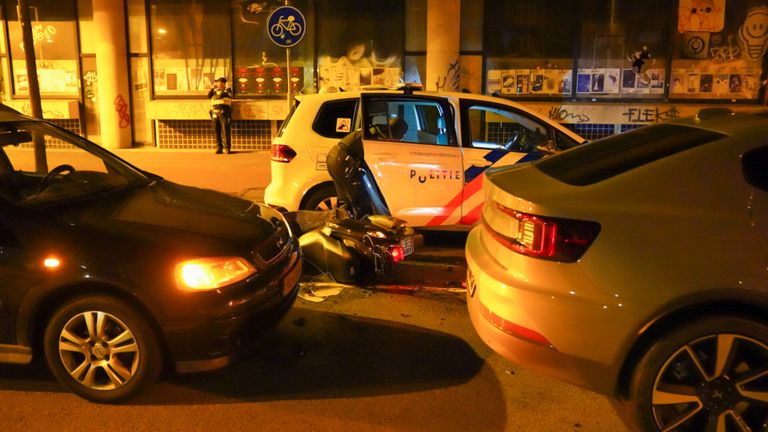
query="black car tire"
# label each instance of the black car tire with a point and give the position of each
(323, 198)
(679, 378)
(120, 350)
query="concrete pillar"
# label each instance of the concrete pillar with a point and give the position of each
(443, 43)
(112, 70)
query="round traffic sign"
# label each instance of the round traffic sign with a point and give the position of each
(286, 26)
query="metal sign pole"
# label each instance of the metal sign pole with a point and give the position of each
(288, 71)
(288, 74)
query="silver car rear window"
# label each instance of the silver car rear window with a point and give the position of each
(609, 157)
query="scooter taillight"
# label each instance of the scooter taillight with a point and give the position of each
(397, 252)
(282, 153)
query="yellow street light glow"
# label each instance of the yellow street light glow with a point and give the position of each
(162, 31)
(51, 262)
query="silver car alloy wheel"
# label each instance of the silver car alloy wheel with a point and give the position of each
(98, 350)
(715, 383)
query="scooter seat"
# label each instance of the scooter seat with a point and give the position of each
(386, 222)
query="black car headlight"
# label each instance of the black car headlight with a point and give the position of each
(203, 274)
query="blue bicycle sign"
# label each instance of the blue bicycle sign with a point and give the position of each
(286, 26)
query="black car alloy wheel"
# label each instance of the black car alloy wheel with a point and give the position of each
(710, 375)
(101, 349)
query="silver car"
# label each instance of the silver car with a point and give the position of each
(637, 266)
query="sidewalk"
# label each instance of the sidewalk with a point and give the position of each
(241, 173)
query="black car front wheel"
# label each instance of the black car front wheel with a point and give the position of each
(710, 375)
(101, 349)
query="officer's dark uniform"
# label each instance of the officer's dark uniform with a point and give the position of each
(221, 115)
(343, 163)
(345, 158)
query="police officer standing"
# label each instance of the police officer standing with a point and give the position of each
(221, 114)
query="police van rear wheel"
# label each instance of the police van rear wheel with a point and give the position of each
(323, 198)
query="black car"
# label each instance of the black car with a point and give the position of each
(110, 272)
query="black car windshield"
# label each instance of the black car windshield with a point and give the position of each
(43, 164)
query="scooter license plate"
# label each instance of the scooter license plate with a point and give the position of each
(407, 245)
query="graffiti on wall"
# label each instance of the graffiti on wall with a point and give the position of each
(650, 114)
(612, 114)
(450, 81)
(721, 54)
(566, 115)
(753, 32)
(121, 107)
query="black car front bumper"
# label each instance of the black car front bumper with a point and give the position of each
(212, 343)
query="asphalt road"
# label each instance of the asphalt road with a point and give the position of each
(364, 360)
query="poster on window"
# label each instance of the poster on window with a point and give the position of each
(612, 81)
(700, 16)
(656, 77)
(565, 81)
(508, 80)
(694, 82)
(493, 81)
(522, 81)
(545, 81)
(584, 81)
(677, 82)
(628, 81)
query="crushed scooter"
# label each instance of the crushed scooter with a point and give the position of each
(359, 241)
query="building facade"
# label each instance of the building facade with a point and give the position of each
(136, 72)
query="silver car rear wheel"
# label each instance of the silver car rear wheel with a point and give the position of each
(711, 375)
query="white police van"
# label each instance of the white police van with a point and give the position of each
(433, 175)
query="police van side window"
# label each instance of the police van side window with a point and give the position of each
(335, 119)
(421, 121)
(493, 127)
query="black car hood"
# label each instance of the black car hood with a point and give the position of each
(168, 207)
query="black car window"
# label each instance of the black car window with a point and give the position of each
(335, 119)
(754, 163)
(608, 157)
(49, 164)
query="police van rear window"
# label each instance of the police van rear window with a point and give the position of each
(288, 118)
(335, 119)
(609, 157)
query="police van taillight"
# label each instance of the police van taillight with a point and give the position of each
(282, 153)
(555, 239)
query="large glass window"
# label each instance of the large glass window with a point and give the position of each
(529, 46)
(137, 26)
(360, 43)
(719, 49)
(624, 48)
(260, 65)
(140, 97)
(415, 64)
(191, 45)
(54, 31)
